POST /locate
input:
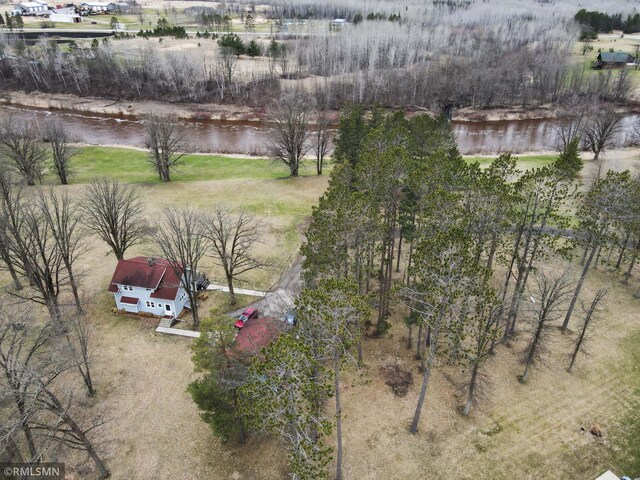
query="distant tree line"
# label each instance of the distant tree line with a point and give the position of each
(424, 61)
(164, 29)
(605, 23)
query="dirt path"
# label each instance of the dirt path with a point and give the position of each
(282, 297)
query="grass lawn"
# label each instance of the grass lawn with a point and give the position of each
(625, 459)
(131, 166)
(251, 184)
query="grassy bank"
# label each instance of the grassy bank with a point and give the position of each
(132, 166)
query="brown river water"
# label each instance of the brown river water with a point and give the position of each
(485, 137)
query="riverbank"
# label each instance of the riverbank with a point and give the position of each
(242, 113)
(131, 110)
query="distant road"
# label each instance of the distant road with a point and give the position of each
(630, 36)
(53, 31)
(107, 31)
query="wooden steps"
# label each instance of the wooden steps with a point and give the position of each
(166, 322)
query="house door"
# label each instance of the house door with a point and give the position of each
(167, 309)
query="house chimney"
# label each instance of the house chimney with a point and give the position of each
(151, 261)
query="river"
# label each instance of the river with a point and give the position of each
(485, 137)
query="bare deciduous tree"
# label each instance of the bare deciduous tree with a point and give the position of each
(182, 239)
(43, 245)
(601, 132)
(59, 139)
(288, 138)
(32, 366)
(21, 145)
(551, 294)
(79, 343)
(34, 252)
(167, 147)
(61, 215)
(573, 125)
(233, 237)
(115, 213)
(5, 245)
(17, 351)
(321, 140)
(597, 299)
(227, 62)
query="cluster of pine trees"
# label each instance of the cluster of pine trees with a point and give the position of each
(408, 229)
(605, 23)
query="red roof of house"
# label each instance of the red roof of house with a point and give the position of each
(145, 272)
(256, 334)
(129, 300)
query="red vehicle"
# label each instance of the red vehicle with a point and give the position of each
(248, 314)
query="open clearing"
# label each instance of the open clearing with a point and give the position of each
(131, 166)
(524, 432)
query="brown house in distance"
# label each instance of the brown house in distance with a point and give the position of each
(613, 60)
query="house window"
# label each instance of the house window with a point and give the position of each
(148, 304)
(127, 288)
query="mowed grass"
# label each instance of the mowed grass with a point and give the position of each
(626, 445)
(132, 166)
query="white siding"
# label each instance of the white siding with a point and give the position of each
(147, 304)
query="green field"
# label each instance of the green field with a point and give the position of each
(132, 166)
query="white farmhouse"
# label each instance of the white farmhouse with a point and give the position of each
(149, 285)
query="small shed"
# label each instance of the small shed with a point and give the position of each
(256, 334)
(338, 23)
(67, 15)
